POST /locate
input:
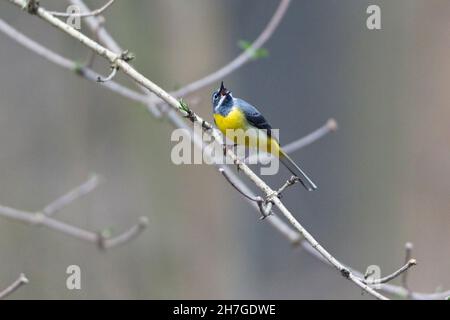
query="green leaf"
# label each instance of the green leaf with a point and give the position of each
(184, 106)
(106, 233)
(78, 68)
(257, 54)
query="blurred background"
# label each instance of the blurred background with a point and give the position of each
(384, 176)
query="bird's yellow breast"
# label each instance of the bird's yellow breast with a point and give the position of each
(235, 119)
(249, 136)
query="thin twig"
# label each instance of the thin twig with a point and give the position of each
(96, 25)
(14, 286)
(290, 182)
(388, 288)
(109, 77)
(83, 14)
(72, 195)
(126, 236)
(408, 254)
(345, 272)
(410, 263)
(59, 60)
(90, 60)
(264, 207)
(242, 59)
(327, 128)
(39, 219)
(230, 181)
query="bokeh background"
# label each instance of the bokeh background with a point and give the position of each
(384, 177)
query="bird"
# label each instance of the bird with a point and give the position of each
(231, 114)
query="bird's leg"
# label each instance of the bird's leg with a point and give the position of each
(248, 157)
(227, 147)
(237, 162)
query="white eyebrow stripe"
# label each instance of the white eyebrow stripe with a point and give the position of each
(222, 99)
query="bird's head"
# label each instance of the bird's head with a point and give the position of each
(221, 97)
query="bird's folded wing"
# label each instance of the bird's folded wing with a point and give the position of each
(254, 117)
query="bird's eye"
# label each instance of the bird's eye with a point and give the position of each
(216, 96)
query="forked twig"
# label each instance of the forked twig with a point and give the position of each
(43, 218)
(74, 194)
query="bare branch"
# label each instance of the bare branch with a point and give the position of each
(14, 286)
(127, 236)
(83, 14)
(402, 270)
(391, 289)
(92, 55)
(290, 182)
(110, 77)
(264, 207)
(242, 59)
(327, 128)
(72, 195)
(408, 254)
(42, 218)
(345, 272)
(230, 180)
(96, 26)
(68, 64)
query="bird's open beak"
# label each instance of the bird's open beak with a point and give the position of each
(223, 91)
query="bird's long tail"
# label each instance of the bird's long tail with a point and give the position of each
(295, 170)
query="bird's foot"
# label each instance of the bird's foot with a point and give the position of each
(226, 147)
